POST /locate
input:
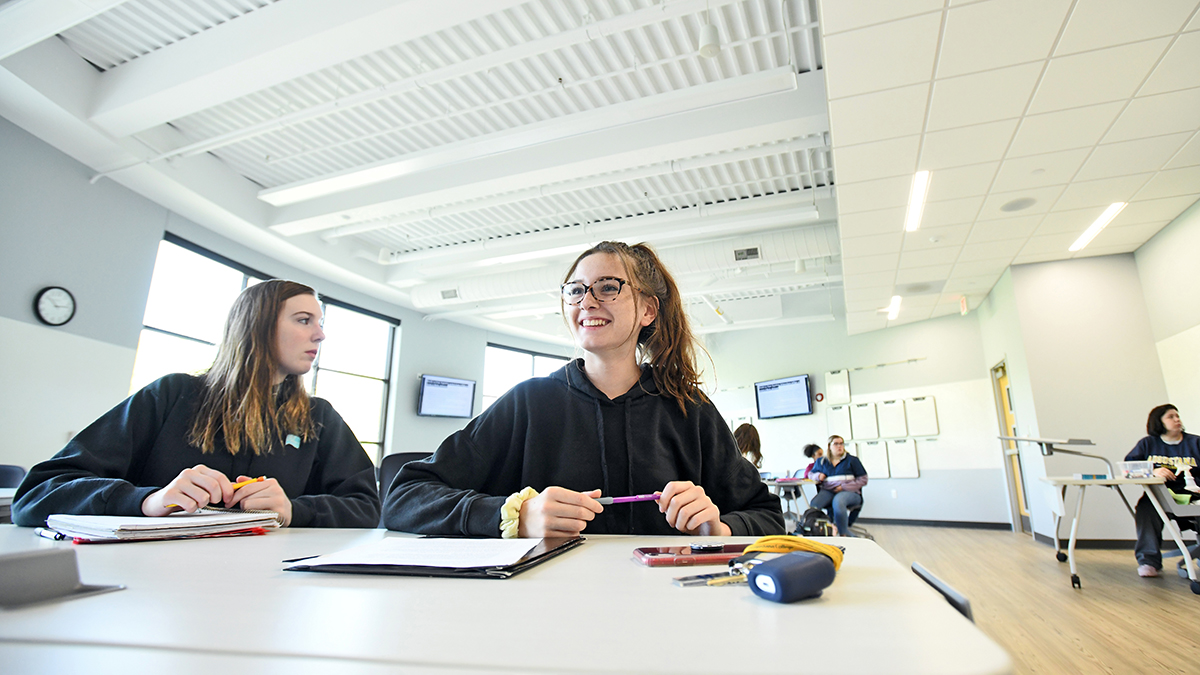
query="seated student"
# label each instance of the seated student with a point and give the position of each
(1172, 451)
(183, 440)
(749, 444)
(813, 452)
(840, 479)
(603, 425)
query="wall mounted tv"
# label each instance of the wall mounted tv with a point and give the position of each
(784, 397)
(446, 397)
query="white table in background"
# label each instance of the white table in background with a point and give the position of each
(204, 606)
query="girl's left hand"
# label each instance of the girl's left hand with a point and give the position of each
(691, 511)
(265, 495)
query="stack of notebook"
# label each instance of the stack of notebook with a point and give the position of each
(204, 523)
(6, 497)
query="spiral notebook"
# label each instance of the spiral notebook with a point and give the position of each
(206, 522)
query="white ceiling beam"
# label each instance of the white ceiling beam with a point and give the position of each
(766, 119)
(275, 44)
(24, 23)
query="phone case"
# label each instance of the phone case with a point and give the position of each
(683, 556)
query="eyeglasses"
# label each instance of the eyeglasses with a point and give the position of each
(604, 289)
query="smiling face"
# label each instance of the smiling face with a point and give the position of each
(607, 328)
(298, 334)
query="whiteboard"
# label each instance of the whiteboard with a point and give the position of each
(837, 387)
(891, 419)
(863, 424)
(874, 458)
(837, 417)
(922, 416)
(902, 458)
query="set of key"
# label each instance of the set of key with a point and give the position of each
(739, 568)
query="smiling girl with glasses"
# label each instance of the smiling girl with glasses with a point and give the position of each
(628, 418)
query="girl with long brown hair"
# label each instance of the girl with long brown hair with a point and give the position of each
(628, 418)
(182, 442)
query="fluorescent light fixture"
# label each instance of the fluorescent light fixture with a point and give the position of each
(916, 201)
(893, 309)
(1090, 233)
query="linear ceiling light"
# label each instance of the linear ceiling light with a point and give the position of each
(893, 309)
(1090, 233)
(916, 201)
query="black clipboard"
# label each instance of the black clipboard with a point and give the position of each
(547, 549)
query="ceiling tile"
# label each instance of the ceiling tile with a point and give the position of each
(1188, 156)
(967, 145)
(1157, 115)
(1130, 157)
(1069, 221)
(1031, 258)
(866, 60)
(881, 159)
(1124, 236)
(861, 280)
(999, 33)
(1194, 24)
(1008, 228)
(878, 244)
(1151, 210)
(873, 194)
(1052, 243)
(951, 212)
(1043, 199)
(963, 181)
(1178, 69)
(982, 97)
(868, 264)
(1095, 24)
(873, 294)
(1173, 183)
(929, 257)
(936, 237)
(857, 120)
(885, 221)
(1073, 81)
(1102, 192)
(1055, 168)
(913, 302)
(980, 284)
(992, 250)
(1063, 130)
(843, 15)
(922, 274)
(945, 309)
(975, 268)
(1093, 251)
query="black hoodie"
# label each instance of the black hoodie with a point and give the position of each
(561, 430)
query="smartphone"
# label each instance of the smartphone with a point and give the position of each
(686, 556)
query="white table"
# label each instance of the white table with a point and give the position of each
(1115, 483)
(205, 606)
(787, 491)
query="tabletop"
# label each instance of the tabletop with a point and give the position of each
(1069, 480)
(199, 604)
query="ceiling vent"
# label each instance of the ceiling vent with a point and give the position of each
(744, 254)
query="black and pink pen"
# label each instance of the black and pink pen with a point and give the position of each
(625, 500)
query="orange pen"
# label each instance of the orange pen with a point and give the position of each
(234, 486)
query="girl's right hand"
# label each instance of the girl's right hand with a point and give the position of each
(558, 512)
(1164, 472)
(191, 489)
(816, 476)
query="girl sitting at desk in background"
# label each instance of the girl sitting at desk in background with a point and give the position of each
(603, 424)
(1172, 451)
(840, 479)
(180, 442)
(813, 452)
(749, 444)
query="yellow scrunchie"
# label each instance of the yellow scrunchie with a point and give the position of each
(783, 543)
(510, 513)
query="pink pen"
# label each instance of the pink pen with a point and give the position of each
(624, 500)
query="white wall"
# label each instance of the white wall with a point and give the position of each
(100, 241)
(961, 472)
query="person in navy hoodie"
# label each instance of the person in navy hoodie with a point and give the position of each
(840, 479)
(1172, 452)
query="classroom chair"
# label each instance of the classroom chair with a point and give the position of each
(11, 475)
(957, 600)
(1186, 517)
(391, 466)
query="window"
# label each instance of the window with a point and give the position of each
(184, 320)
(505, 367)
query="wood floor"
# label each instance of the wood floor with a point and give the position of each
(1022, 598)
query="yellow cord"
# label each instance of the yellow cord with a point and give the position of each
(784, 543)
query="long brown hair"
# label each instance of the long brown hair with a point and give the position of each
(667, 342)
(237, 404)
(749, 443)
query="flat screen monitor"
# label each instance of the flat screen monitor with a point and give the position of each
(784, 397)
(446, 397)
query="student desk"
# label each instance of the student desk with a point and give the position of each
(787, 491)
(226, 605)
(1064, 482)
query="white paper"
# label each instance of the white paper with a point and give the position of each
(454, 553)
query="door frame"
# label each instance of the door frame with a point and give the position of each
(1017, 494)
